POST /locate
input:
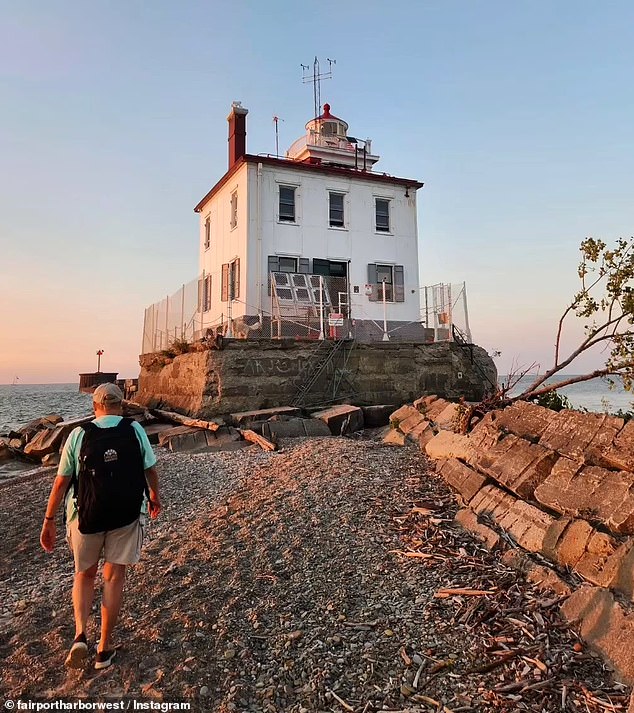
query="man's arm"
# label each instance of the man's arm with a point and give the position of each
(49, 528)
(154, 506)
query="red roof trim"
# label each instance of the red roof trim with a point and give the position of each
(312, 168)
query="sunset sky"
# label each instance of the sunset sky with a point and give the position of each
(517, 116)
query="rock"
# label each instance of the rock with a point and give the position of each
(154, 431)
(349, 418)
(17, 443)
(435, 408)
(423, 403)
(204, 690)
(5, 453)
(515, 463)
(51, 459)
(590, 492)
(45, 441)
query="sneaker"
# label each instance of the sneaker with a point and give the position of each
(104, 659)
(78, 653)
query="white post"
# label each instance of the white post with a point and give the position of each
(321, 307)
(154, 328)
(167, 311)
(183, 313)
(386, 336)
(466, 312)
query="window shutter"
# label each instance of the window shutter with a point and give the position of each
(304, 265)
(373, 280)
(274, 266)
(236, 279)
(399, 283)
(224, 287)
(201, 287)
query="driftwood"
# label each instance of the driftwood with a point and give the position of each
(254, 437)
(185, 420)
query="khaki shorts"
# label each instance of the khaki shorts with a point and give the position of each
(121, 546)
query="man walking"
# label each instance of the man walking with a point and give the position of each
(109, 482)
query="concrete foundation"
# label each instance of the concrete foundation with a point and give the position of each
(254, 374)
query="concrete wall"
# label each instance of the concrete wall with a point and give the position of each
(357, 241)
(226, 245)
(248, 375)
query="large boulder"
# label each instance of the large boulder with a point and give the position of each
(341, 419)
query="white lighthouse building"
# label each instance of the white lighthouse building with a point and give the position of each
(273, 231)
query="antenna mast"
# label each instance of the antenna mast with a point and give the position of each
(315, 79)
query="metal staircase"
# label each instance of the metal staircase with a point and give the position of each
(324, 355)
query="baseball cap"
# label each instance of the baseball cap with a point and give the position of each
(106, 394)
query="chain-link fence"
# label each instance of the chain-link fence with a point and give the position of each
(444, 312)
(305, 306)
(175, 317)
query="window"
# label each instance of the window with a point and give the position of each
(390, 276)
(207, 294)
(382, 215)
(336, 210)
(287, 264)
(230, 285)
(207, 232)
(329, 268)
(234, 209)
(287, 204)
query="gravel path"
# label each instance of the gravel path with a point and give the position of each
(280, 582)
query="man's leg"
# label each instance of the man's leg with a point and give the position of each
(83, 593)
(113, 581)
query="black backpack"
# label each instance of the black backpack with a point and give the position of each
(111, 481)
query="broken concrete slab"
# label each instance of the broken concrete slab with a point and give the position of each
(377, 416)
(412, 423)
(572, 433)
(249, 419)
(492, 501)
(463, 479)
(394, 438)
(51, 459)
(447, 419)
(590, 492)
(527, 524)
(486, 434)
(192, 440)
(515, 463)
(544, 578)
(605, 625)
(154, 430)
(294, 428)
(620, 453)
(525, 420)
(340, 419)
(423, 403)
(447, 444)
(468, 520)
(404, 413)
(435, 408)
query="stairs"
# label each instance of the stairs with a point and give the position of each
(321, 358)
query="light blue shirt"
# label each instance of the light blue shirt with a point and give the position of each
(69, 462)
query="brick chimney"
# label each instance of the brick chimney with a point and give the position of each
(237, 132)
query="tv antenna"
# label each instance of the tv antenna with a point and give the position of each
(315, 79)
